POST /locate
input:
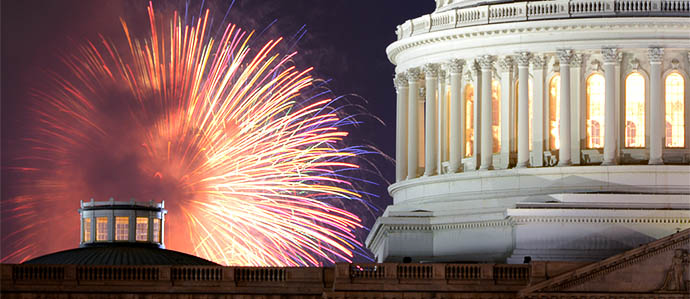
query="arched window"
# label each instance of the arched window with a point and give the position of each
(595, 111)
(675, 110)
(634, 110)
(469, 120)
(554, 112)
(496, 117)
(529, 109)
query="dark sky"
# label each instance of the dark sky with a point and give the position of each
(345, 42)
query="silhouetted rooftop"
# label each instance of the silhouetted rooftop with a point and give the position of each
(120, 254)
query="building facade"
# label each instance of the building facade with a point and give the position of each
(542, 130)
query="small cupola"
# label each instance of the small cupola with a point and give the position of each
(108, 222)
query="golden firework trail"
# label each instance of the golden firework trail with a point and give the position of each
(256, 167)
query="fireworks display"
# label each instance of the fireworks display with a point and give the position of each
(246, 151)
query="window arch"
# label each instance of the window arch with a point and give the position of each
(469, 120)
(634, 110)
(496, 116)
(675, 110)
(554, 111)
(595, 110)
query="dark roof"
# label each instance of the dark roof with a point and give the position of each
(120, 254)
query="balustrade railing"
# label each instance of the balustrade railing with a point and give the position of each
(37, 272)
(415, 271)
(463, 272)
(265, 274)
(197, 273)
(511, 272)
(539, 10)
(370, 271)
(117, 273)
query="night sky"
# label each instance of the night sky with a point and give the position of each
(345, 42)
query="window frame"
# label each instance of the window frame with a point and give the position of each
(686, 114)
(624, 105)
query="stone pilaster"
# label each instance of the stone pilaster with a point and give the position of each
(564, 57)
(656, 106)
(523, 60)
(610, 132)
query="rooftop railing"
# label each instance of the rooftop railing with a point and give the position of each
(540, 10)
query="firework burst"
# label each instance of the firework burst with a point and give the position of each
(253, 171)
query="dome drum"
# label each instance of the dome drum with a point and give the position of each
(556, 130)
(122, 222)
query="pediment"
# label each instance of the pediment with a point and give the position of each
(659, 267)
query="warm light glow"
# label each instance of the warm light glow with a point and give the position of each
(496, 119)
(595, 111)
(121, 228)
(156, 230)
(675, 110)
(102, 229)
(87, 229)
(554, 111)
(142, 228)
(469, 120)
(634, 110)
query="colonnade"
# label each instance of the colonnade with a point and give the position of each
(422, 91)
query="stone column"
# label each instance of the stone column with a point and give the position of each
(539, 118)
(576, 105)
(523, 110)
(487, 139)
(656, 107)
(456, 148)
(430, 136)
(507, 108)
(401, 86)
(610, 132)
(412, 122)
(564, 57)
(476, 74)
(442, 123)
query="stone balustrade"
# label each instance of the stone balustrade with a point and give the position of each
(540, 10)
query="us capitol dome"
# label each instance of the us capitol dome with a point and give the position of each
(538, 130)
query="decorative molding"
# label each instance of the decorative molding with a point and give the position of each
(635, 65)
(674, 64)
(506, 64)
(467, 77)
(610, 55)
(596, 65)
(430, 70)
(523, 59)
(456, 65)
(400, 80)
(565, 219)
(413, 74)
(577, 60)
(486, 62)
(422, 94)
(539, 62)
(656, 55)
(592, 271)
(674, 280)
(442, 74)
(564, 55)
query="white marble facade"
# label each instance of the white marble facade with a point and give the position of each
(488, 95)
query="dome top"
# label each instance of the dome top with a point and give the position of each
(443, 5)
(120, 254)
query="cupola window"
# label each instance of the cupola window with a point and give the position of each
(142, 228)
(121, 228)
(102, 229)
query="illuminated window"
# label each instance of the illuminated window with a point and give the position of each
(121, 228)
(156, 230)
(634, 110)
(554, 111)
(675, 110)
(496, 117)
(142, 228)
(595, 111)
(529, 109)
(101, 228)
(469, 120)
(87, 229)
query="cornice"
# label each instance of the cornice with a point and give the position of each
(634, 25)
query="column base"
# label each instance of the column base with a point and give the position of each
(490, 167)
(522, 165)
(564, 163)
(608, 163)
(657, 161)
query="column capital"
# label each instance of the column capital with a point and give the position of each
(577, 60)
(523, 59)
(400, 80)
(422, 93)
(455, 66)
(564, 56)
(430, 70)
(506, 64)
(486, 62)
(610, 55)
(655, 55)
(442, 74)
(539, 62)
(413, 74)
